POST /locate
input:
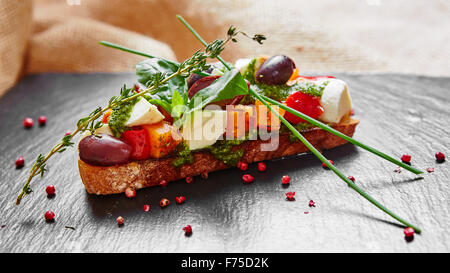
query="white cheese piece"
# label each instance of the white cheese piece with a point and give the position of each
(336, 101)
(104, 130)
(204, 128)
(242, 65)
(144, 113)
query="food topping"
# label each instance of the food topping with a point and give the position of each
(276, 70)
(139, 140)
(335, 100)
(351, 178)
(163, 139)
(312, 204)
(304, 103)
(146, 208)
(203, 128)
(104, 150)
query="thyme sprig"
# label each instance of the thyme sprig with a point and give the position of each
(90, 123)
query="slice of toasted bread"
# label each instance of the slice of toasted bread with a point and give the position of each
(146, 173)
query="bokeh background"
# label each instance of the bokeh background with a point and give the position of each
(323, 36)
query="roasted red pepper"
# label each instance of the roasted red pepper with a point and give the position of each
(308, 105)
(140, 141)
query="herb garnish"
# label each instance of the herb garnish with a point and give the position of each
(159, 75)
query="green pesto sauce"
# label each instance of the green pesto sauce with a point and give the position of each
(119, 117)
(184, 155)
(250, 71)
(301, 127)
(223, 150)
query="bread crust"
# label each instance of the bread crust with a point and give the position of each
(146, 173)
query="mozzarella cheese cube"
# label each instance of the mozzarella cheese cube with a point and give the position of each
(204, 128)
(336, 101)
(144, 113)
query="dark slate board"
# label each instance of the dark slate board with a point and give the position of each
(399, 114)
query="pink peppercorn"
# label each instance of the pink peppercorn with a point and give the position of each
(49, 216)
(247, 178)
(50, 190)
(262, 166)
(20, 162)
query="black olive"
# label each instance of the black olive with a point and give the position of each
(104, 150)
(276, 70)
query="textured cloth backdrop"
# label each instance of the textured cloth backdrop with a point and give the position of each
(321, 36)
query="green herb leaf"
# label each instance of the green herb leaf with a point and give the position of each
(228, 86)
(148, 71)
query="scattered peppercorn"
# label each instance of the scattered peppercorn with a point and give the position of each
(187, 230)
(243, 166)
(285, 180)
(130, 193)
(42, 120)
(312, 204)
(146, 208)
(180, 199)
(325, 165)
(409, 232)
(247, 178)
(204, 175)
(20, 162)
(163, 183)
(262, 166)
(351, 178)
(290, 196)
(189, 179)
(120, 221)
(430, 170)
(50, 190)
(49, 216)
(440, 157)
(28, 122)
(406, 159)
(164, 202)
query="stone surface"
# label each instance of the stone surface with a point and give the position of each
(399, 114)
